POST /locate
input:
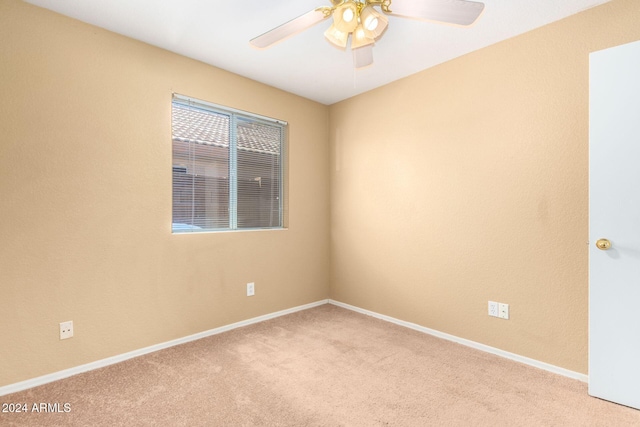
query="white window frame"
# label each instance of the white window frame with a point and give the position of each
(234, 115)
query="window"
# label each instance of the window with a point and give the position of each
(227, 168)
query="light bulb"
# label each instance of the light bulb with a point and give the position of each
(347, 15)
(360, 38)
(371, 23)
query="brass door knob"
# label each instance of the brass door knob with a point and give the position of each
(603, 244)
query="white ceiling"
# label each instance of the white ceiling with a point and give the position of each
(218, 32)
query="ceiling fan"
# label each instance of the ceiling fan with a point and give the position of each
(360, 20)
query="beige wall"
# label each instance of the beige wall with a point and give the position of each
(467, 182)
(85, 211)
(460, 184)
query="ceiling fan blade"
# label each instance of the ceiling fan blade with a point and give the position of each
(363, 56)
(457, 12)
(288, 29)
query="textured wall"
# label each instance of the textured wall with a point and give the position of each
(468, 182)
(85, 184)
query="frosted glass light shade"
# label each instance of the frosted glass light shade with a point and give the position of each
(345, 17)
(359, 38)
(337, 37)
(373, 23)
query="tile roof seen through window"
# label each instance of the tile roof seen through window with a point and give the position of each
(191, 124)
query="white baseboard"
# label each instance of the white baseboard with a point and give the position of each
(527, 361)
(34, 382)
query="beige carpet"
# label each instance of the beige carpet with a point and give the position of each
(322, 367)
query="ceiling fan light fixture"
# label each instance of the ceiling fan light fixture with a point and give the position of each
(373, 22)
(364, 21)
(336, 37)
(360, 38)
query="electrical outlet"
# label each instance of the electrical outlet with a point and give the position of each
(251, 289)
(503, 311)
(66, 330)
(493, 309)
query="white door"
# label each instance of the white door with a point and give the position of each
(614, 214)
